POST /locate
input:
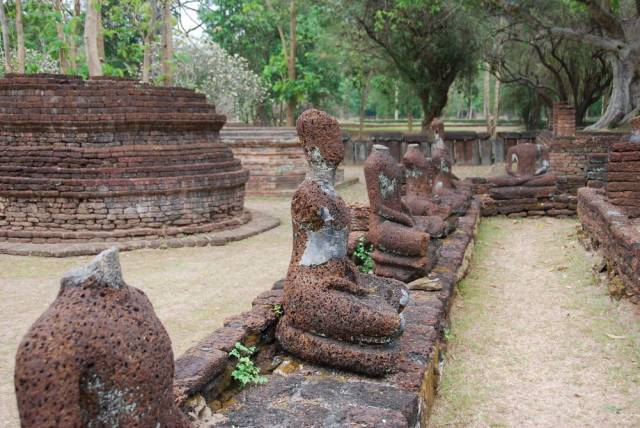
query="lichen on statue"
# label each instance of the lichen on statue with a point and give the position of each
(333, 314)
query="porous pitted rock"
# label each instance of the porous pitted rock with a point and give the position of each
(333, 314)
(427, 207)
(400, 246)
(99, 356)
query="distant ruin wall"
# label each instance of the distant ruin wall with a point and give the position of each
(109, 159)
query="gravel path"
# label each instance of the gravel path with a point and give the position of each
(533, 341)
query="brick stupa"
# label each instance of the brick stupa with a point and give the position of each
(112, 160)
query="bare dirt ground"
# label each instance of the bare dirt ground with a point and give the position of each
(533, 341)
(192, 289)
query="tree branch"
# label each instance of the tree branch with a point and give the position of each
(608, 44)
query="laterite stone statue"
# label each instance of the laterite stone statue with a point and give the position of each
(400, 241)
(333, 314)
(98, 357)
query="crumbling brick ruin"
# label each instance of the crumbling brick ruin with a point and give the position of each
(274, 159)
(575, 159)
(112, 160)
(610, 216)
(98, 356)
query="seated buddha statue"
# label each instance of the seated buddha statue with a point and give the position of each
(453, 195)
(333, 314)
(527, 160)
(425, 206)
(401, 243)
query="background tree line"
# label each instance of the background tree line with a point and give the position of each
(266, 60)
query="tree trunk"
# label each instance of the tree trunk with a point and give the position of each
(496, 109)
(5, 39)
(364, 95)
(410, 120)
(148, 42)
(167, 44)
(64, 63)
(486, 97)
(625, 93)
(432, 104)
(396, 112)
(291, 66)
(100, 33)
(73, 47)
(91, 39)
(20, 37)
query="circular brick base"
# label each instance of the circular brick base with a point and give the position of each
(260, 222)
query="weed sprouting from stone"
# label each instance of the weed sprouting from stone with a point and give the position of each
(362, 256)
(246, 371)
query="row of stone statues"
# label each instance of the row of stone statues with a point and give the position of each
(99, 356)
(334, 314)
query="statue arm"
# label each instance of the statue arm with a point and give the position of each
(395, 216)
(341, 284)
(546, 165)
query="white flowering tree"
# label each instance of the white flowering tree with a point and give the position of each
(35, 62)
(225, 79)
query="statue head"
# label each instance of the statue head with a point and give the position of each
(321, 139)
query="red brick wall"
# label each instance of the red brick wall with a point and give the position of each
(623, 173)
(111, 159)
(276, 167)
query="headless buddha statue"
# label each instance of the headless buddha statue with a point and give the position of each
(98, 357)
(427, 208)
(453, 196)
(334, 315)
(530, 160)
(401, 244)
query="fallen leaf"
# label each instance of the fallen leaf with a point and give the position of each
(613, 336)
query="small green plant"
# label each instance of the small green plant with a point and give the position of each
(362, 256)
(246, 371)
(277, 309)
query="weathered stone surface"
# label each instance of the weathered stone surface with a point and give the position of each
(300, 394)
(333, 314)
(99, 356)
(531, 160)
(400, 246)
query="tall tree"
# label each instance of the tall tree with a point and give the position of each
(73, 29)
(149, 37)
(612, 26)
(428, 41)
(289, 48)
(20, 37)
(91, 38)
(167, 43)
(62, 50)
(557, 69)
(5, 39)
